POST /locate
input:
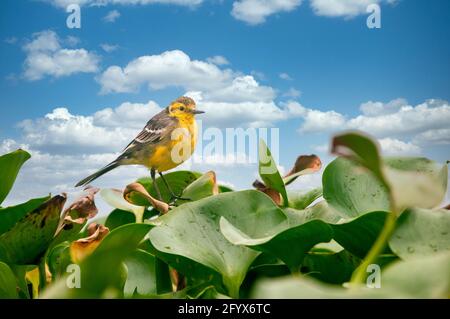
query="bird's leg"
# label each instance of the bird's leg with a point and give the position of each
(170, 190)
(155, 185)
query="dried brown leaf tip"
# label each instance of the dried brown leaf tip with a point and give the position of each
(305, 164)
(83, 247)
(276, 197)
(81, 210)
(213, 177)
(136, 194)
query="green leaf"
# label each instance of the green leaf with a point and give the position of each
(418, 278)
(300, 200)
(31, 235)
(202, 187)
(352, 190)
(359, 234)
(58, 259)
(330, 267)
(146, 275)
(102, 272)
(225, 189)
(10, 165)
(10, 215)
(269, 172)
(192, 231)
(177, 181)
(8, 283)
(408, 182)
(118, 218)
(421, 232)
(416, 182)
(287, 234)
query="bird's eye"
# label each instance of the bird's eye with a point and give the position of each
(182, 108)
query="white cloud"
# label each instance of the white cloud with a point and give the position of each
(218, 60)
(46, 57)
(292, 92)
(407, 120)
(225, 94)
(111, 16)
(285, 76)
(64, 3)
(109, 47)
(342, 8)
(315, 120)
(256, 12)
(72, 41)
(11, 40)
(171, 68)
(436, 137)
(427, 121)
(378, 108)
(390, 146)
(108, 130)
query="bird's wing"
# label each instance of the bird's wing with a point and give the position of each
(155, 130)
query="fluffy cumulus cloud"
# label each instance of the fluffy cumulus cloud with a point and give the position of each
(401, 128)
(170, 68)
(107, 130)
(392, 146)
(229, 97)
(46, 57)
(256, 11)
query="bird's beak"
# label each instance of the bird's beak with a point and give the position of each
(197, 112)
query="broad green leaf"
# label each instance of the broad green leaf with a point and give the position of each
(352, 190)
(421, 232)
(102, 273)
(10, 215)
(22, 285)
(177, 181)
(58, 259)
(7, 282)
(118, 218)
(330, 267)
(287, 234)
(225, 189)
(418, 278)
(290, 245)
(31, 235)
(10, 165)
(416, 182)
(299, 200)
(269, 172)
(192, 231)
(204, 186)
(359, 234)
(408, 182)
(145, 275)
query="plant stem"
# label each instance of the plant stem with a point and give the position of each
(361, 272)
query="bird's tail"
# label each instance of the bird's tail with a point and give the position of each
(99, 173)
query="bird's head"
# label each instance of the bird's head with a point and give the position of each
(183, 107)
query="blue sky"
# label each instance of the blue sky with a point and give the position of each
(306, 67)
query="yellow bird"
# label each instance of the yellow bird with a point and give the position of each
(168, 139)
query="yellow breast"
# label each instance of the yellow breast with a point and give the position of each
(178, 149)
